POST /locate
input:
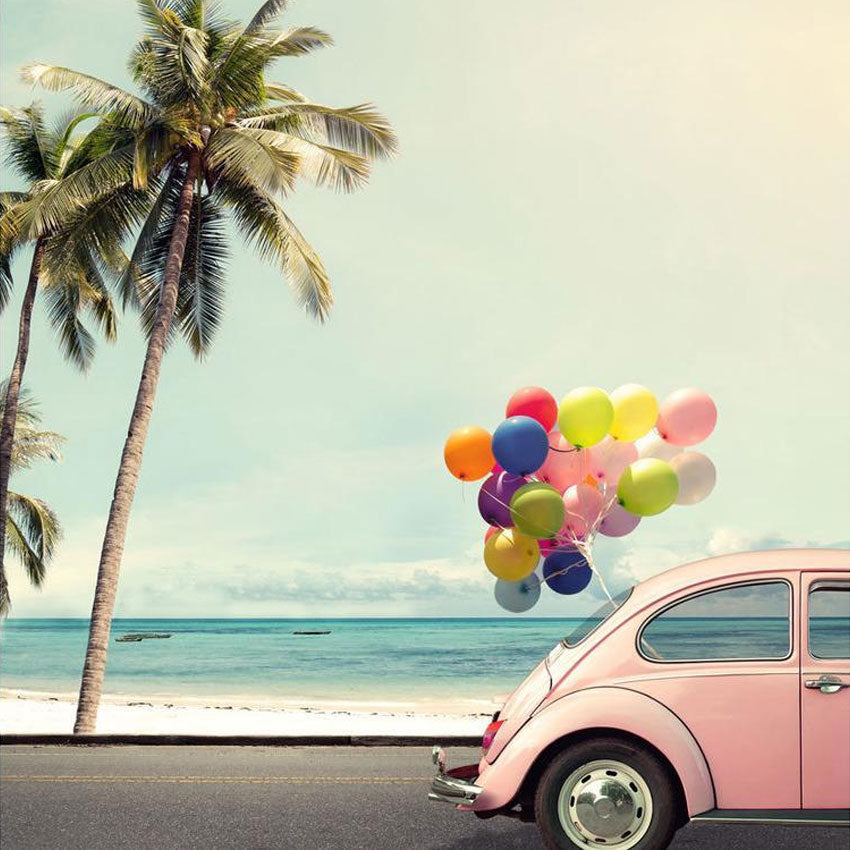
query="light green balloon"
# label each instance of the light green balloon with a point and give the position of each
(647, 487)
(585, 415)
(537, 510)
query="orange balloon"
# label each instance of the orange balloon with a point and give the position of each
(592, 482)
(468, 454)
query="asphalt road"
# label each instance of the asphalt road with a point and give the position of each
(258, 797)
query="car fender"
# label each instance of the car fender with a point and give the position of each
(609, 707)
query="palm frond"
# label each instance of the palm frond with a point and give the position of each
(28, 152)
(32, 532)
(63, 134)
(32, 445)
(360, 128)
(267, 228)
(90, 91)
(88, 244)
(325, 165)
(296, 41)
(63, 310)
(267, 12)
(200, 297)
(254, 157)
(7, 247)
(61, 199)
(238, 76)
(162, 209)
(285, 93)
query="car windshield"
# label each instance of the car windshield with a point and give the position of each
(580, 632)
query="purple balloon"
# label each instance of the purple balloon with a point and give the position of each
(494, 498)
(618, 522)
(577, 573)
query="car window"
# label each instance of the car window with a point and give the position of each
(829, 619)
(583, 629)
(740, 622)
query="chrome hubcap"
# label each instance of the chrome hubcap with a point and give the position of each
(605, 803)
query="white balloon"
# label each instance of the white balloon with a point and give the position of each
(652, 445)
(518, 596)
(697, 477)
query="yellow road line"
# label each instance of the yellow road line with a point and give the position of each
(212, 780)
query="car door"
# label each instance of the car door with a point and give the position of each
(725, 661)
(825, 690)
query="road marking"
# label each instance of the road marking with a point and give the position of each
(212, 780)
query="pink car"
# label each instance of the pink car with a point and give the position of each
(718, 690)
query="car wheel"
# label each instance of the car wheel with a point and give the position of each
(606, 793)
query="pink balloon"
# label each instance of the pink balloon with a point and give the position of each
(491, 530)
(609, 459)
(564, 465)
(584, 504)
(618, 522)
(550, 544)
(686, 417)
(536, 403)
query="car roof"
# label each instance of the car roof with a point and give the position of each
(742, 563)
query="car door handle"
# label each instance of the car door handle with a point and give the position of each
(826, 684)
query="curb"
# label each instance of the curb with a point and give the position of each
(242, 740)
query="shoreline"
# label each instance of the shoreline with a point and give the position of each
(39, 712)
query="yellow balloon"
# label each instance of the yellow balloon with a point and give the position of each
(511, 555)
(584, 416)
(635, 412)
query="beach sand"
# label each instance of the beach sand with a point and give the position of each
(53, 713)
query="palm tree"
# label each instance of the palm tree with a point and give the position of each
(69, 271)
(216, 136)
(32, 529)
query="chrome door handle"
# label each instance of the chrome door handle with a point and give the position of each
(826, 684)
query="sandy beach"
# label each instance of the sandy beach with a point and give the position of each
(53, 713)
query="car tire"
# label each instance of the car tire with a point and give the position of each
(606, 792)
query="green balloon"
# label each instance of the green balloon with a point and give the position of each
(584, 416)
(537, 510)
(647, 487)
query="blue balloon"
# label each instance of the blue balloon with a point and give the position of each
(520, 445)
(577, 576)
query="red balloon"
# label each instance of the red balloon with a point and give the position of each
(536, 403)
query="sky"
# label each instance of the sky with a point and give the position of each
(586, 193)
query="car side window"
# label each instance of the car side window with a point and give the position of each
(744, 622)
(829, 619)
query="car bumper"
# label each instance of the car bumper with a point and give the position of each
(456, 786)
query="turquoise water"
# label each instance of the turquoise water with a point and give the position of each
(366, 658)
(371, 658)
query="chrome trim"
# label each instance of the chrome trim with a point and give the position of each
(820, 584)
(605, 802)
(458, 792)
(809, 821)
(450, 789)
(628, 595)
(438, 757)
(716, 589)
(826, 684)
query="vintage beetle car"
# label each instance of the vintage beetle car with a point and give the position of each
(718, 690)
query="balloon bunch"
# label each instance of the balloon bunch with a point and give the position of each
(558, 475)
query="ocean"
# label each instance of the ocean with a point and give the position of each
(361, 659)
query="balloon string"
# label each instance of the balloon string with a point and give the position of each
(583, 546)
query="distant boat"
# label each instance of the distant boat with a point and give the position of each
(311, 633)
(135, 638)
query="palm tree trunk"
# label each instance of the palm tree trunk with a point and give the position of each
(10, 411)
(128, 470)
